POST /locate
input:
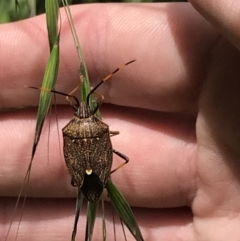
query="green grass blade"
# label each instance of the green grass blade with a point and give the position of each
(78, 208)
(52, 7)
(49, 81)
(85, 88)
(124, 211)
(91, 216)
(104, 233)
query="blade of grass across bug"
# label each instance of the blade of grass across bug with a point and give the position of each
(124, 211)
(91, 216)
(52, 7)
(85, 89)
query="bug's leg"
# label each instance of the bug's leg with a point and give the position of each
(123, 157)
(73, 183)
(114, 133)
(100, 100)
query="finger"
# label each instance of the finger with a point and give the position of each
(169, 41)
(224, 15)
(52, 219)
(161, 148)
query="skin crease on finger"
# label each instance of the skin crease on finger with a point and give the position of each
(216, 205)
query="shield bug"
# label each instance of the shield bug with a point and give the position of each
(88, 149)
(87, 146)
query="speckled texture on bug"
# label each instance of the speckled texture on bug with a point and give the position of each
(87, 146)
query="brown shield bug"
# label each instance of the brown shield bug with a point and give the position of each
(87, 145)
(88, 149)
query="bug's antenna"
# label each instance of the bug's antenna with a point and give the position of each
(106, 78)
(59, 93)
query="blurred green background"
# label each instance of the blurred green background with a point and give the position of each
(13, 10)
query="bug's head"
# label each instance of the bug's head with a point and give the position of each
(83, 110)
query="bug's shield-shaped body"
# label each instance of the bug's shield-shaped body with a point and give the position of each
(88, 155)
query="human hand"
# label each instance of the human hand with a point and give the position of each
(179, 125)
